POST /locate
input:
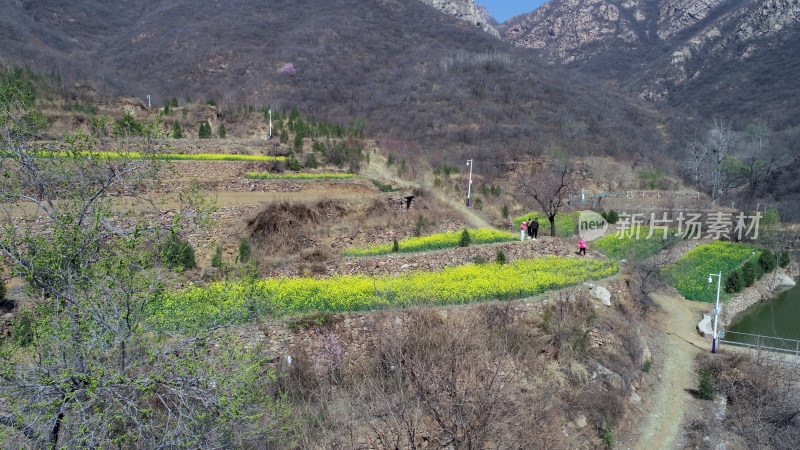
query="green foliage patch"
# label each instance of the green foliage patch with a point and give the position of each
(566, 223)
(177, 254)
(241, 301)
(689, 275)
(633, 244)
(165, 156)
(434, 242)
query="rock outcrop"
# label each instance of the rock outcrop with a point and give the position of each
(655, 47)
(467, 11)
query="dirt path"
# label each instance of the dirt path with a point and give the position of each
(677, 319)
(377, 169)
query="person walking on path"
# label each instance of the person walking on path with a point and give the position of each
(522, 228)
(535, 227)
(582, 245)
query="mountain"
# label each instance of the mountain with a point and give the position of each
(467, 11)
(429, 85)
(714, 57)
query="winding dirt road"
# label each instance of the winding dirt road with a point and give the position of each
(677, 318)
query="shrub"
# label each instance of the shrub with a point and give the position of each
(505, 212)
(177, 254)
(478, 203)
(127, 125)
(501, 258)
(767, 260)
(293, 164)
(311, 161)
(464, 240)
(216, 260)
(245, 251)
(734, 282)
(284, 136)
(785, 259)
(298, 141)
(611, 217)
(607, 431)
(395, 245)
(221, 131)
(175, 102)
(177, 133)
(647, 366)
(707, 390)
(419, 226)
(24, 329)
(2, 291)
(383, 187)
(650, 178)
(321, 319)
(750, 273)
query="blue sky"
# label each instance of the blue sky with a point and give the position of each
(503, 10)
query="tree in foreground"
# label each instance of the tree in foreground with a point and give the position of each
(97, 368)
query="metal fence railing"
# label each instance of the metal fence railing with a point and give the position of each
(760, 343)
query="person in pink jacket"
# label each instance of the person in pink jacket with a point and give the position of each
(582, 245)
(522, 228)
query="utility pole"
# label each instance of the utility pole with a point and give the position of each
(716, 309)
(469, 187)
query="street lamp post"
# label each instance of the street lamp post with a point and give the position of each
(716, 309)
(469, 187)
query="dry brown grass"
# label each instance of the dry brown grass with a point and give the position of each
(487, 376)
(763, 399)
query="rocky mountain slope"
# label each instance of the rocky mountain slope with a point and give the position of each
(467, 11)
(428, 85)
(716, 56)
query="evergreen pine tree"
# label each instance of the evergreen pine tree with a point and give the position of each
(177, 133)
(298, 140)
(222, 132)
(205, 130)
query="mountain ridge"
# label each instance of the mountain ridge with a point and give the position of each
(671, 50)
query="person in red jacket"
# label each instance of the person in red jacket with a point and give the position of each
(582, 245)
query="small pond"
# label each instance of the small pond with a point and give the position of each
(778, 317)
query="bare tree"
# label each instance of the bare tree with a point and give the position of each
(697, 153)
(718, 145)
(547, 186)
(98, 368)
(761, 160)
